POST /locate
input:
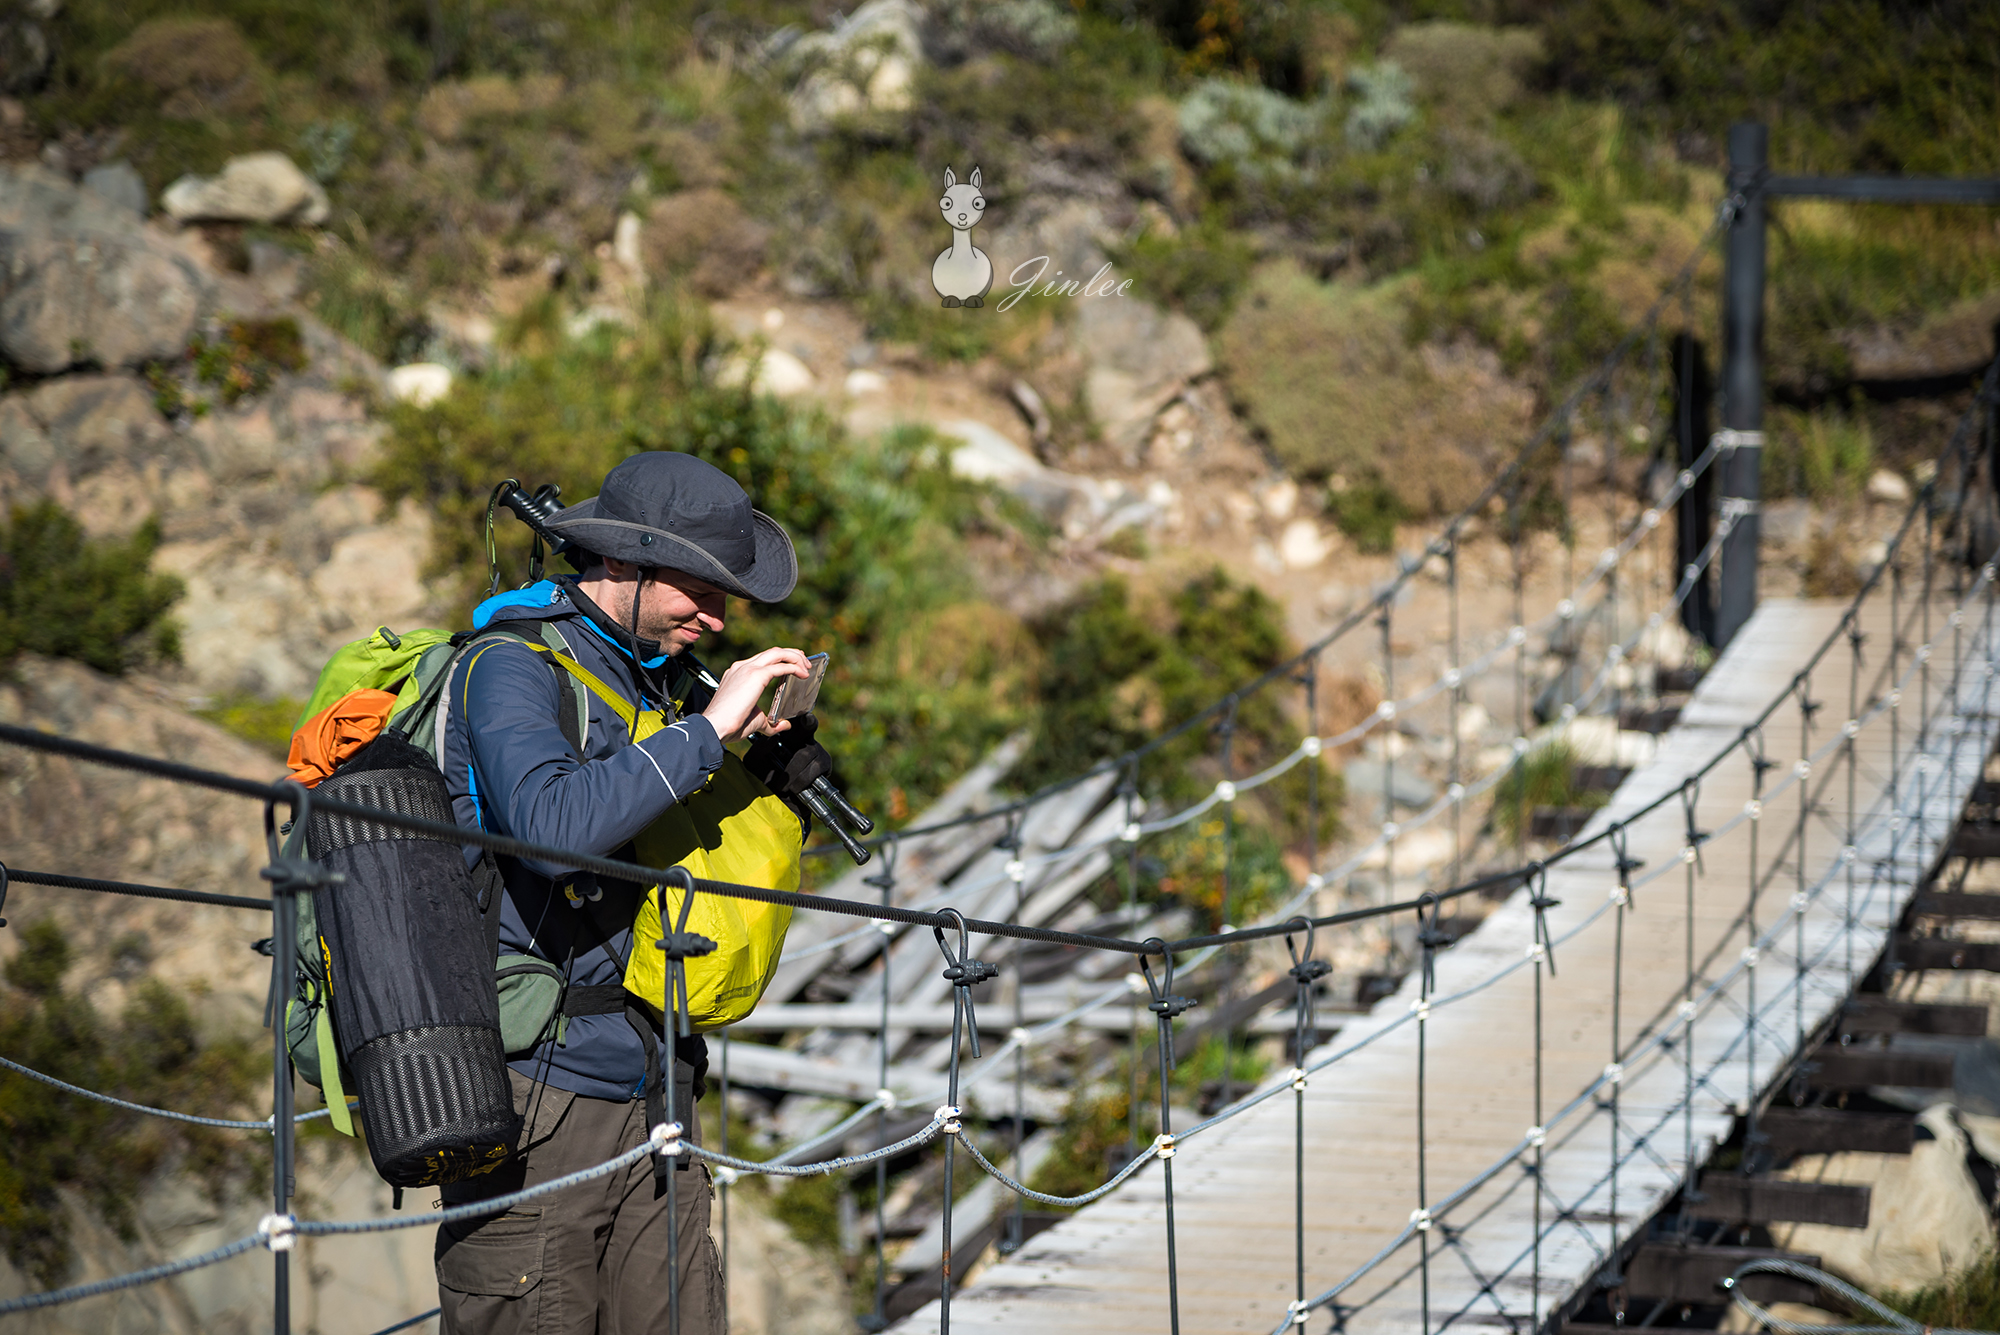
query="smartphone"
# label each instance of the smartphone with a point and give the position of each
(797, 695)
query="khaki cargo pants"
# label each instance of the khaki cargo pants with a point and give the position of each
(590, 1259)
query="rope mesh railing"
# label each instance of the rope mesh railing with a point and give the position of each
(1889, 812)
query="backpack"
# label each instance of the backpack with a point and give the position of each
(390, 687)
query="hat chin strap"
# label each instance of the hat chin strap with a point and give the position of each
(638, 668)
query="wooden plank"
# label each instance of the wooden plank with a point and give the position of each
(1930, 952)
(1770, 1200)
(1933, 904)
(1695, 1274)
(1976, 841)
(1880, 1015)
(1655, 721)
(1560, 823)
(1835, 1131)
(1852, 1068)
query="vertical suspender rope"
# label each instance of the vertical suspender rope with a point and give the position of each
(1455, 678)
(1896, 645)
(1803, 770)
(963, 973)
(1691, 858)
(1166, 1006)
(1309, 678)
(1760, 764)
(1848, 853)
(1017, 1217)
(1388, 775)
(678, 946)
(885, 881)
(1234, 958)
(1429, 938)
(1544, 954)
(1129, 789)
(1306, 972)
(1615, 1073)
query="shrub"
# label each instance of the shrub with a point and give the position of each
(1258, 132)
(68, 596)
(1545, 777)
(1200, 269)
(57, 1141)
(1368, 512)
(241, 360)
(1114, 674)
(1827, 457)
(1469, 71)
(1383, 104)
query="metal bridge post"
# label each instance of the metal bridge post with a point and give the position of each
(1743, 374)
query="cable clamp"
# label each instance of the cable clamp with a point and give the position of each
(1421, 1008)
(1686, 1011)
(1386, 710)
(1614, 1073)
(723, 1174)
(1800, 899)
(1750, 954)
(1298, 1078)
(1017, 870)
(1225, 791)
(1315, 882)
(1390, 829)
(1688, 855)
(1849, 853)
(1537, 1137)
(947, 1118)
(1311, 746)
(1135, 984)
(1518, 635)
(1621, 896)
(1896, 698)
(1520, 746)
(1957, 618)
(1731, 438)
(1456, 792)
(1021, 1036)
(1923, 653)
(1851, 728)
(666, 1140)
(1733, 508)
(1422, 1219)
(1568, 713)
(1452, 678)
(887, 1098)
(1614, 654)
(278, 1232)
(1987, 573)
(1566, 609)
(1130, 834)
(1803, 769)
(1300, 1310)
(1163, 1145)
(1753, 809)
(1536, 950)
(1650, 520)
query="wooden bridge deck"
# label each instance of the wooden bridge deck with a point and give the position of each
(1104, 1269)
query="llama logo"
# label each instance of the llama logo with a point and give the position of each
(962, 274)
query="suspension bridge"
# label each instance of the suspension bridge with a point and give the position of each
(1524, 1127)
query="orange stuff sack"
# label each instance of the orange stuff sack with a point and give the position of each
(329, 737)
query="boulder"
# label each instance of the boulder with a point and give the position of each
(1888, 487)
(1141, 358)
(120, 184)
(82, 281)
(254, 188)
(1927, 1216)
(421, 383)
(1302, 546)
(98, 420)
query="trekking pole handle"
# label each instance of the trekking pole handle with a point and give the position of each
(536, 511)
(838, 800)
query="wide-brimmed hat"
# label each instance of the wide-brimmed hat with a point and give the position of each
(673, 510)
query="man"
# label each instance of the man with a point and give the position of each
(666, 540)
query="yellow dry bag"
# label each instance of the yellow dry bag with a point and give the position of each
(735, 829)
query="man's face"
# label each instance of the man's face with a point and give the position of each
(676, 610)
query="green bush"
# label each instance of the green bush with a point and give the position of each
(68, 596)
(925, 674)
(1826, 456)
(1967, 1300)
(1199, 269)
(57, 1141)
(1368, 512)
(1545, 777)
(1113, 675)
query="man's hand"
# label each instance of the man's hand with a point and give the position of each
(736, 708)
(789, 765)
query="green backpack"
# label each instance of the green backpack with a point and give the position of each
(416, 666)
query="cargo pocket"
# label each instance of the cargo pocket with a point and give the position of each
(496, 1258)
